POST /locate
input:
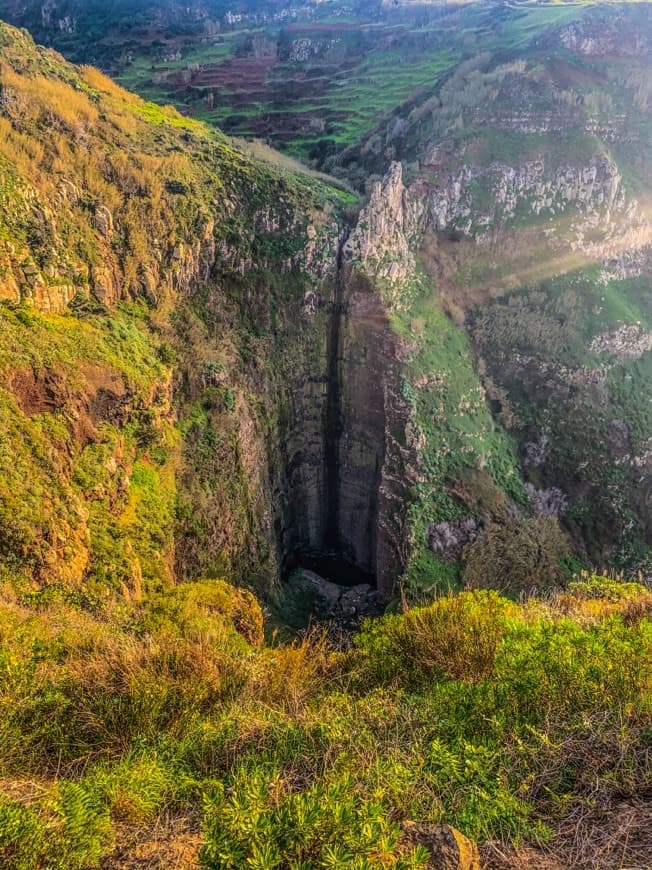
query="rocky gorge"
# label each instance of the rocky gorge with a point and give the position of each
(344, 384)
(311, 426)
(325, 528)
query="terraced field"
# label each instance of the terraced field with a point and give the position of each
(314, 87)
(299, 86)
(311, 80)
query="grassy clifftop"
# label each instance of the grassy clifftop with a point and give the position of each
(166, 729)
(103, 191)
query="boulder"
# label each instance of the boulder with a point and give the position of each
(103, 220)
(104, 285)
(447, 848)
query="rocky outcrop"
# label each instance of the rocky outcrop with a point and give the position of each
(35, 265)
(595, 39)
(558, 119)
(481, 202)
(51, 19)
(448, 539)
(447, 848)
(384, 237)
(103, 220)
(304, 49)
(626, 342)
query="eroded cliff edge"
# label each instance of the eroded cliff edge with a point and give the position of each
(190, 324)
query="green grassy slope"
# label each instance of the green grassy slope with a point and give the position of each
(164, 728)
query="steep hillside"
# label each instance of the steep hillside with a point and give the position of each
(523, 207)
(219, 374)
(197, 381)
(157, 318)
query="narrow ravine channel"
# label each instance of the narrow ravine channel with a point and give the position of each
(333, 426)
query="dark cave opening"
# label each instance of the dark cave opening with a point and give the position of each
(332, 566)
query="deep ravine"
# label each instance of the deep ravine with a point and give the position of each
(333, 426)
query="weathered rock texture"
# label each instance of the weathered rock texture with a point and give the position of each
(596, 38)
(448, 849)
(586, 211)
(383, 239)
(371, 461)
(344, 484)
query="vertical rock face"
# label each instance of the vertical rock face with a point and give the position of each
(484, 202)
(341, 486)
(595, 38)
(363, 364)
(371, 504)
(300, 481)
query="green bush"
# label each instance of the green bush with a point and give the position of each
(520, 556)
(68, 831)
(455, 638)
(595, 586)
(266, 824)
(22, 835)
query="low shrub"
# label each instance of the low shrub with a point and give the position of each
(265, 822)
(456, 638)
(520, 556)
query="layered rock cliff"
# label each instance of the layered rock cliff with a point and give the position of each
(521, 211)
(263, 421)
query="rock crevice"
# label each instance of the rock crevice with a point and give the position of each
(344, 514)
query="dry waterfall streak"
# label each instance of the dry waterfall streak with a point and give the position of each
(333, 426)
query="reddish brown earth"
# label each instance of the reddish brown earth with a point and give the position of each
(99, 396)
(240, 74)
